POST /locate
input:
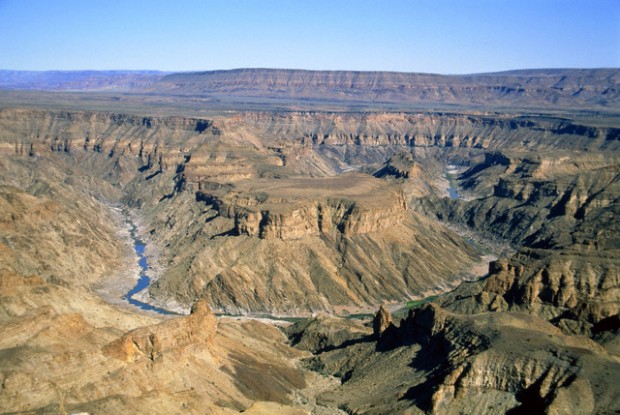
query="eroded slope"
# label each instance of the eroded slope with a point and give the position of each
(261, 212)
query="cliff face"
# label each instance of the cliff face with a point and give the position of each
(559, 207)
(279, 213)
(242, 181)
(542, 88)
(439, 129)
(552, 199)
(558, 88)
(576, 291)
(434, 361)
(296, 212)
(32, 133)
(169, 337)
(110, 133)
(326, 218)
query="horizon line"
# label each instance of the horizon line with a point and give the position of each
(204, 71)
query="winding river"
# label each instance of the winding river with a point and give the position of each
(144, 280)
(451, 172)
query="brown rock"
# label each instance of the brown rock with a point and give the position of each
(151, 342)
(381, 322)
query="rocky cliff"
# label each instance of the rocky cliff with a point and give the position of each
(438, 362)
(545, 88)
(299, 212)
(242, 181)
(559, 207)
(350, 204)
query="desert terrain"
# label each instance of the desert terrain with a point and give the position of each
(324, 242)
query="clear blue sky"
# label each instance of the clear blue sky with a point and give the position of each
(439, 36)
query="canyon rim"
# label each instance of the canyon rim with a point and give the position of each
(300, 228)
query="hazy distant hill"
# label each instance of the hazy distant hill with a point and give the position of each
(78, 80)
(561, 87)
(539, 88)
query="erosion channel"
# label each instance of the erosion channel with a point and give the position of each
(314, 214)
(144, 280)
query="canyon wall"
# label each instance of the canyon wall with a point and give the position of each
(210, 189)
(549, 89)
(297, 213)
(543, 88)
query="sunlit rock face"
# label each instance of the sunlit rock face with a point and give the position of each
(298, 212)
(211, 189)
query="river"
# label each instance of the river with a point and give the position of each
(451, 172)
(144, 280)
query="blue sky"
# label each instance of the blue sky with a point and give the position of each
(438, 36)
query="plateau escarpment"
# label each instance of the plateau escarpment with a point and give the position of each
(297, 212)
(542, 88)
(559, 207)
(212, 190)
(348, 204)
(297, 245)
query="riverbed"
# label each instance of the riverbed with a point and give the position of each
(126, 288)
(134, 295)
(144, 280)
(451, 172)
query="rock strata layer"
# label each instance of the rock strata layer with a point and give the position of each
(299, 212)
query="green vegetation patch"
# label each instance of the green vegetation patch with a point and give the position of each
(417, 303)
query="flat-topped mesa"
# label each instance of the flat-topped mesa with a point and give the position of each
(288, 209)
(323, 218)
(555, 88)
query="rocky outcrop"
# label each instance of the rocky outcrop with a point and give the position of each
(299, 208)
(71, 352)
(325, 333)
(152, 342)
(325, 218)
(551, 200)
(560, 207)
(381, 322)
(439, 362)
(575, 291)
(485, 370)
(400, 166)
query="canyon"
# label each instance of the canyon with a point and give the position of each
(313, 199)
